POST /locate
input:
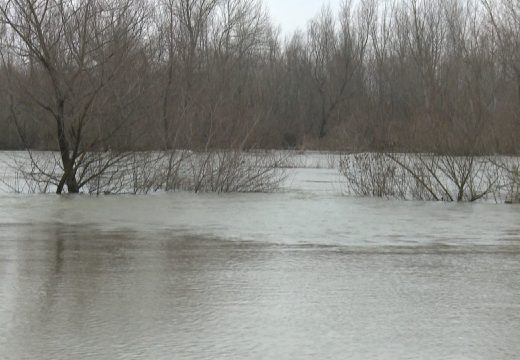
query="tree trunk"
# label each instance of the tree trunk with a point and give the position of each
(518, 84)
(323, 124)
(69, 176)
(71, 182)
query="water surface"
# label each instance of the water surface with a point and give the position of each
(301, 274)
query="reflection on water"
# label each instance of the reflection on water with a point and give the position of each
(82, 293)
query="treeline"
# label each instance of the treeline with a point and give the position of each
(414, 75)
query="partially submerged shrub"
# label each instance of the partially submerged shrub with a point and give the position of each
(145, 172)
(371, 174)
(31, 172)
(422, 176)
(235, 171)
(510, 169)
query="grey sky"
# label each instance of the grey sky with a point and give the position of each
(294, 14)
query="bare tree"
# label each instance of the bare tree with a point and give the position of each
(504, 16)
(70, 57)
(99, 79)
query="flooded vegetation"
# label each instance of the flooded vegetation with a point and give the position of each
(182, 179)
(300, 273)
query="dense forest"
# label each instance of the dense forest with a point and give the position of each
(413, 75)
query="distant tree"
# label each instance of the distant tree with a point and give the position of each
(412, 75)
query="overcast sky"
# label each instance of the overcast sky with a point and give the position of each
(294, 14)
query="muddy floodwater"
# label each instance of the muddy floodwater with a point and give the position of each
(301, 274)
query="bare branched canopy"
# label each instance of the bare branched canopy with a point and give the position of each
(119, 76)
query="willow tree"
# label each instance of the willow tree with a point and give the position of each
(69, 61)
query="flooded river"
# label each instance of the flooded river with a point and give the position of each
(300, 274)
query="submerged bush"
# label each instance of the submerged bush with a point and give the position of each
(146, 172)
(427, 177)
(511, 172)
(235, 171)
(371, 174)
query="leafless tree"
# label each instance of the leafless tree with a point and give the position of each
(71, 57)
(101, 80)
